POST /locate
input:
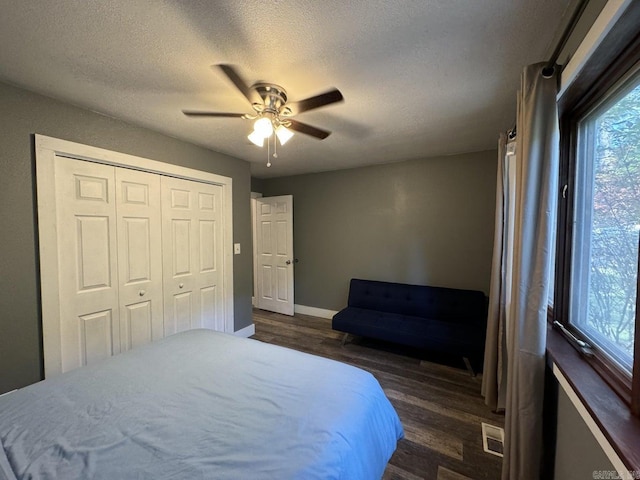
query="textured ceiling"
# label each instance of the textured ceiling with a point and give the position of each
(420, 78)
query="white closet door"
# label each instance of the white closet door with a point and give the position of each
(87, 259)
(139, 257)
(192, 259)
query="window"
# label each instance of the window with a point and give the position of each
(606, 217)
(597, 272)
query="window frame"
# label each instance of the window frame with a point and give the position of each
(609, 66)
(585, 135)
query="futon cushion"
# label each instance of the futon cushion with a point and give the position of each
(453, 305)
(428, 333)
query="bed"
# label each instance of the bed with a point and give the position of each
(201, 404)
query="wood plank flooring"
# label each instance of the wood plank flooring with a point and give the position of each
(439, 405)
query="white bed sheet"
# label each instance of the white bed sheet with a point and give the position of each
(201, 404)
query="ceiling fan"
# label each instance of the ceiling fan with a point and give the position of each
(272, 111)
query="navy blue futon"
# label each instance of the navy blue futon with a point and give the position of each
(446, 320)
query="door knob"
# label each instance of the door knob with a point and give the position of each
(141, 293)
(288, 262)
(180, 285)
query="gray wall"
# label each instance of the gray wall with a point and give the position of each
(423, 222)
(25, 113)
(578, 454)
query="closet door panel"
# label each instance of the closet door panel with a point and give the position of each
(210, 241)
(138, 322)
(192, 255)
(87, 259)
(179, 242)
(96, 339)
(139, 257)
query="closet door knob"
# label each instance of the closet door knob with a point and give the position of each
(141, 293)
(180, 285)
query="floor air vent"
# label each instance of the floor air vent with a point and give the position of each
(493, 439)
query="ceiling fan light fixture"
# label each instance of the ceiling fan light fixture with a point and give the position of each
(256, 138)
(263, 127)
(283, 134)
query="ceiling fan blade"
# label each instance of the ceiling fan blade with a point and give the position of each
(195, 113)
(308, 129)
(326, 98)
(240, 84)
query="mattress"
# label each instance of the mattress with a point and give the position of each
(201, 404)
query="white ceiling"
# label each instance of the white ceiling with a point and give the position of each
(420, 77)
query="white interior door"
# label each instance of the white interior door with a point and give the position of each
(89, 322)
(274, 235)
(192, 238)
(139, 257)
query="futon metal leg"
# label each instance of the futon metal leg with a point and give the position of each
(344, 339)
(469, 367)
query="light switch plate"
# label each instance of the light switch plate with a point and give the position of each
(236, 248)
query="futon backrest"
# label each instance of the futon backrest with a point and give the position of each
(467, 306)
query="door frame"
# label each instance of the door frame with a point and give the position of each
(47, 149)
(254, 297)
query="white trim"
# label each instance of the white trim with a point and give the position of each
(254, 196)
(79, 151)
(314, 312)
(246, 332)
(47, 149)
(7, 393)
(609, 15)
(48, 252)
(617, 463)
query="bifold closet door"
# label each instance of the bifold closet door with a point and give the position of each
(88, 265)
(139, 257)
(139, 230)
(110, 260)
(192, 257)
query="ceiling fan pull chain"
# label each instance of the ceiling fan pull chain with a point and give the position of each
(275, 147)
(268, 150)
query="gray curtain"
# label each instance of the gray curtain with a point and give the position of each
(536, 195)
(494, 379)
(514, 363)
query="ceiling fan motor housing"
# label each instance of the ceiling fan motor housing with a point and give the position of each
(273, 97)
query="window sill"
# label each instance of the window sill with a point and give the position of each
(605, 408)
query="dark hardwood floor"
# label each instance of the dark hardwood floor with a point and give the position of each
(439, 405)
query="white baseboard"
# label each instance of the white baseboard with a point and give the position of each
(246, 331)
(313, 311)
